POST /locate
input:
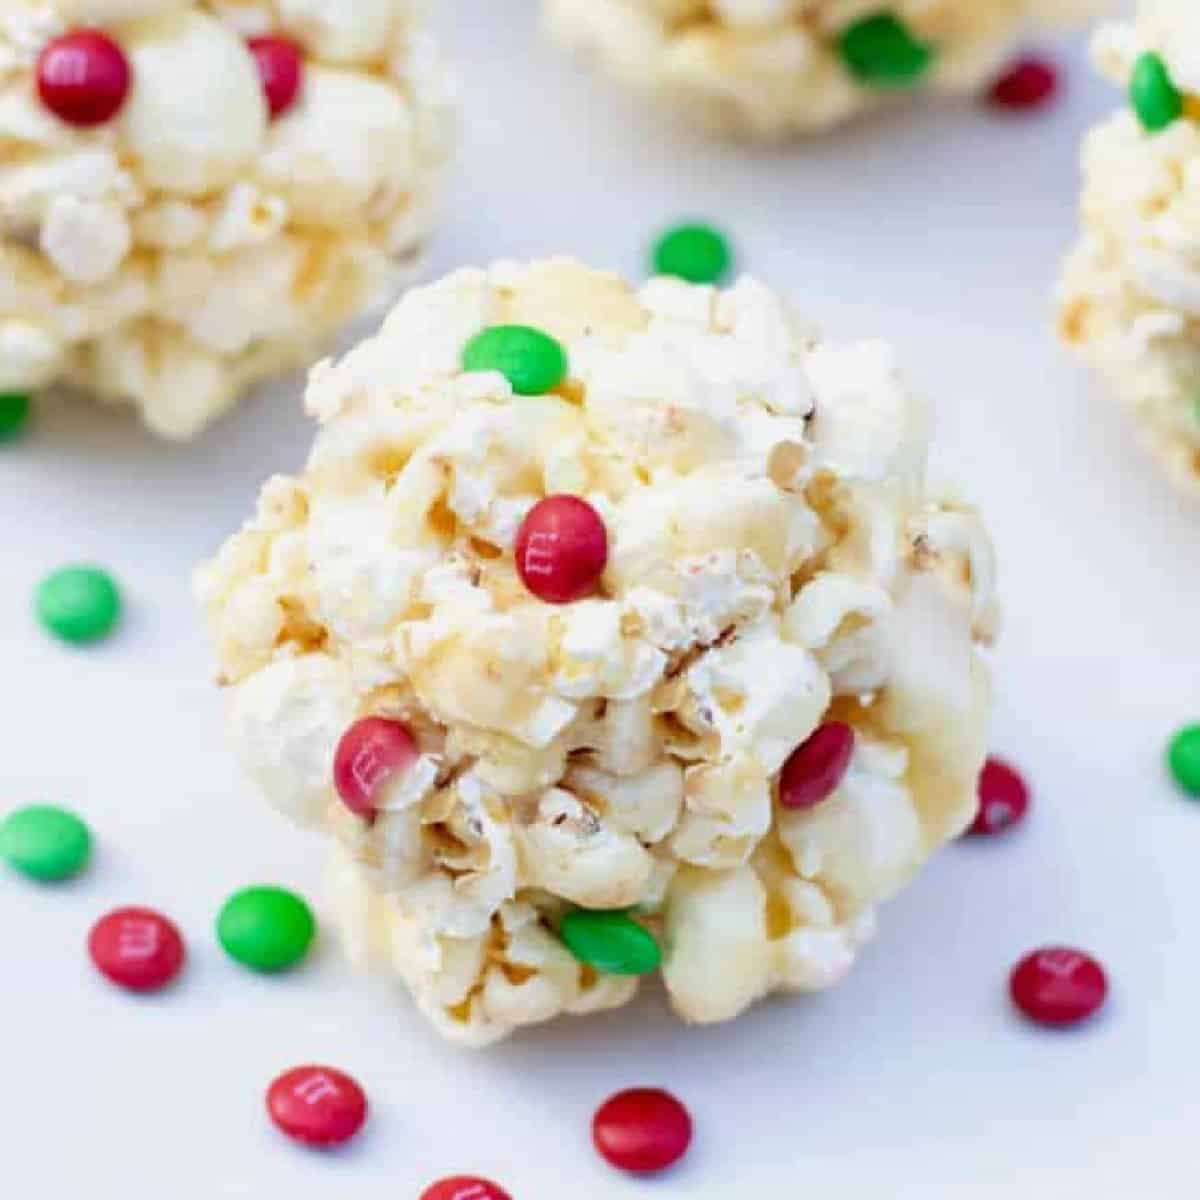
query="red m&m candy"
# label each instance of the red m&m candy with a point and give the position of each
(372, 752)
(1058, 986)
(562, 549)
(1003, 798)
(1028, 83)
(137, 948)
(83, 77)
(464, 1187)
(642, 1130)
(816, 767)
(319, 1106)
(281, 69)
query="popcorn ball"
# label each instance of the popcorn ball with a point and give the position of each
(194, 195)
(667, 666)
(773, 68)
(1129, 301)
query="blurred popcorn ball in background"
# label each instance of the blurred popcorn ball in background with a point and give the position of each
(609, 631)
(194, 196)
(774, 68)
(1130, 294)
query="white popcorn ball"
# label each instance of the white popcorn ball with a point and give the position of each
(1129, 298)
(771, 69)
(538, 797)
(183, 223)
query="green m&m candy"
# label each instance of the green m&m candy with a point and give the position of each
(697, 253)
(611, 942)
(265, 928)
(532, 361)
(14, 414)
(1153, 94)
(881, 51)
(78, 603)
(1183, 759)
(44, 842)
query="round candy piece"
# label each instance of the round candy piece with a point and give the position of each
(642, 1130)
(1183, 759)
(880, 51)
(281, 68)
(561, 549)
(611, 942)
(464, 1187)
(78, 603)
(1153, 94)
(697, 253)
(137, 948)
(1027, 83)
(46, 843)
(816, 767)
(372, 752)
(83, 77)
(1058, 986)
(319, 1106)
(1003, 798)
(532, 361)
(14, 414)
(266, 928)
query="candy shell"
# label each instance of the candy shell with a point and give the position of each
(44, 842)
(319, 1106)
(642, 1130)
(137, 948)
(268, 929)
(1058, 986)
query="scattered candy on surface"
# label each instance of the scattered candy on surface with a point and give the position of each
(1028, 83)
(816, 767)
(265, 928)
(1183, 759)
(880, 51)
(611, 942)
(1003, 798)
(1058, 986)
(1153, 94)
(532, 361)
(83, 77)
(642, 1130)
(46, 843)
(464, 1187)
(371, 753)
(14, 414)
(561, 549)
(137, 948)
(281, 66)
(697, 253)
(78, 604)
(319, 1106)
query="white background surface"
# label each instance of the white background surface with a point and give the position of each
(938, 229)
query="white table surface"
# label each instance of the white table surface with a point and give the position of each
(938, 229)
